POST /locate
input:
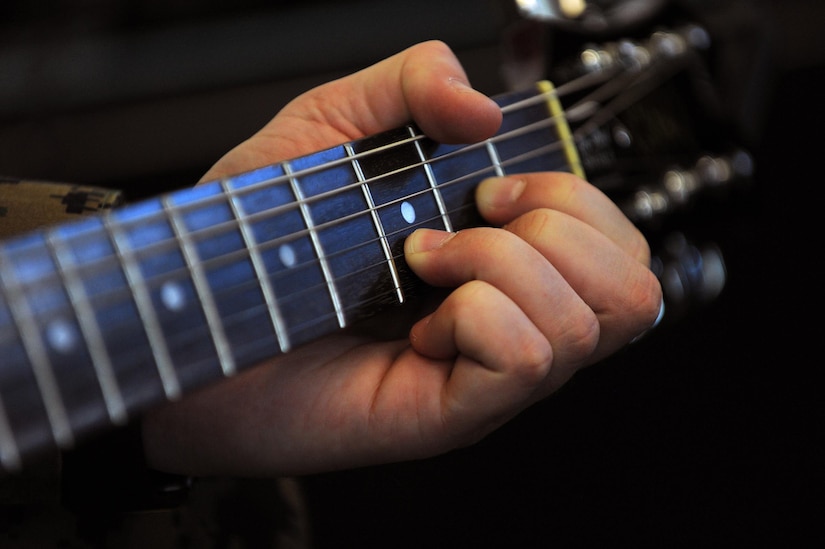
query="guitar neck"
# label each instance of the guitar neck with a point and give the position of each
(104, 318)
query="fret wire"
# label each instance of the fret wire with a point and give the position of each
(260, 271)
(9, 452)
(35, 347)
(101, 361)
(494, 158)
(207, 300)
(143, 302)
(316, 242)
(376, 220)
(428, 170)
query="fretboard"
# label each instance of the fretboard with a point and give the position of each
(104, 318)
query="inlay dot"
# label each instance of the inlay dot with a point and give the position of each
(172, 296)
(287, 255)
(61, 336)
(408, 212)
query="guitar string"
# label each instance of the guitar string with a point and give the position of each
(172, 243)
(590, 107)
(629, 93)
(533, 100)
(522, 104)
(343, 161)
(536, 99)
(248, 352)
(586, 111)
(122, 293)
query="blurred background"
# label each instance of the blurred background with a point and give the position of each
(709, 430)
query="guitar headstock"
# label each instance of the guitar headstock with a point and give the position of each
(663, 123)
(645, 122)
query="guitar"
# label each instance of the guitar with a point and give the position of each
(104, 318)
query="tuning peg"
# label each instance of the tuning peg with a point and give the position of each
(632, 55)
(690, 275)
(594, 16)
(677, 186)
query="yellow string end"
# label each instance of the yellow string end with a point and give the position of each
(563, 129)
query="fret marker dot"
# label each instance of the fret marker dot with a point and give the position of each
(172, 296)
(61, 336)
(287, 255)
(408, 212)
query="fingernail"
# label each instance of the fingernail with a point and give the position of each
(499, 192)
(655, 323)
(426, 240)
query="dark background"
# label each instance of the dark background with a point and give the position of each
(707, 432)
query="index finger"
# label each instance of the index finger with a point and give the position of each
(424, 84)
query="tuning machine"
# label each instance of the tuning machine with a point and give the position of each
(590, 15)
(691, 275)
(678, 187)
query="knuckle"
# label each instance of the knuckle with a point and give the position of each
(639, 248)
(536, 362)
(534, 225)
(573, 187)
(582, 336)
(486, 244)
(645, 299)
(462, 301)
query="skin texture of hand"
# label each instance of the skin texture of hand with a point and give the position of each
(559, 282)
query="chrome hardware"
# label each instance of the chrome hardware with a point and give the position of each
(590, 15)
(678, 186)
(636, 55)
(690, 275)
(550, 10)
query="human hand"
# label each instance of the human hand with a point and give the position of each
(559, 282)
